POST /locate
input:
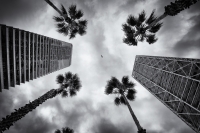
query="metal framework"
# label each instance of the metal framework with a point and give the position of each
(25, 56)
(173, 81)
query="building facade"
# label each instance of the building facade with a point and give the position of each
(173, 81)
(26, 56)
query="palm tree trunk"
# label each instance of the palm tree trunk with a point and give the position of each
(8, 121)
(52, 5)
(133, 115)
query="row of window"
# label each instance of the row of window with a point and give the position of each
(22, 50)
(59, 53)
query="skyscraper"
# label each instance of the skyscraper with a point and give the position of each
(25, 56)
(173, 81)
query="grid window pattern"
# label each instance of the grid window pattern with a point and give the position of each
(25, 56)
(175, 82)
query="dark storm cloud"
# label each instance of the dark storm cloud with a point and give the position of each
(7, 101)
(190, 41)
(15, 10)
(31, 123)
(130, 4)
(194, 8)
(104, 125)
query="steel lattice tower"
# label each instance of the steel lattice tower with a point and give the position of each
(173, 81)
(26, 56)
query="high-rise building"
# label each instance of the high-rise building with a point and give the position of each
(25, 56)
(173, 81)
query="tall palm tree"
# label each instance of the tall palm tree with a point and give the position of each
(142, 28)
(69, 85)
(69, 23)
(124, 90)
(65, 130)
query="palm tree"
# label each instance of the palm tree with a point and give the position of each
(141, 28)
(69, 85)
(65, 130)
(69, 23)
(124, 90)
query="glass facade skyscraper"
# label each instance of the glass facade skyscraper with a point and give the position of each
(173, 81)
(25, 56)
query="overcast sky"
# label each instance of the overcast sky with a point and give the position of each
(91, 111)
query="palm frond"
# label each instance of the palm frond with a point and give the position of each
(68, 20)
(79, 14)
(142, 16)
(60, 25)
(117, 101)
(77, 87)
(131, 94)
(127, 83)
(68, 76)
(75, 77)
(131, 20)
(83, 23)
(60, 78)
(76, 83)
(72, 92)
(151, 18)
(58, 19)
(57, 131)
(114, 82)
(155, 27)
(64, 93)
(130, 41)
(64, 12)
(127, 29)
(151, 38)
(66, 85)
(73, 33)
(82, 31)
(72, 11)
(63, 31)
(125, 80)
(108, 89)
(122, 100)
(67, 130)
